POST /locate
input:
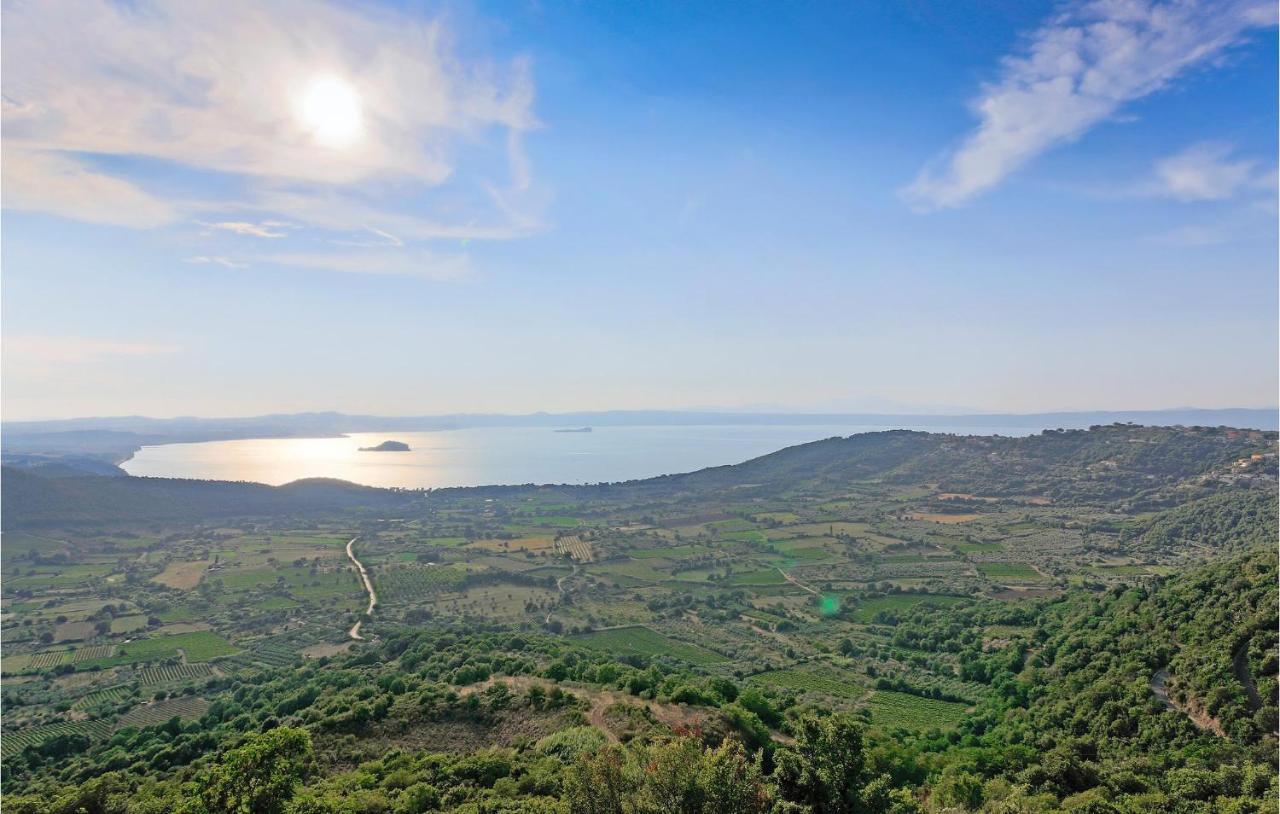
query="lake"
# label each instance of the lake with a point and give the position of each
(491, 455)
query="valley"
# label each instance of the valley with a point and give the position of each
(882, 575)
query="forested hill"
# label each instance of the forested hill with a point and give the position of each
(1152, 694)
(1100, 464)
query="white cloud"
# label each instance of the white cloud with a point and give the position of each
(216, 88)
(35, 349)
(1206, 172)
(217, 260)
(1077, 71)
(400, 263)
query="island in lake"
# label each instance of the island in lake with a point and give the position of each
(575, 429)
(387, 446)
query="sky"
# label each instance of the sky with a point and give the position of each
(413, 208)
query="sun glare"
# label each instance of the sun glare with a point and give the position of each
(330, 110)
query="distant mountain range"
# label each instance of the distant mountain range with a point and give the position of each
(331, 423)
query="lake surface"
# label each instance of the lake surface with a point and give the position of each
(491, 455)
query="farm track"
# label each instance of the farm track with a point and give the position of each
(1240, 666)
(354, 633)
(797, 582)
(1202, 720)
(674, 716)
(560, 588)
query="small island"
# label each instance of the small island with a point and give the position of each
(387, 446)
(575, 429)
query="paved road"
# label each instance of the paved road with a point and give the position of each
(368, 586)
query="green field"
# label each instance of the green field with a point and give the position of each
(904, 711)
(673, 551)
(976, 548)
(446, 542)
(820, 680)
(768, 576)
(406, 583)
(636, 569)
(642, 641)
(1016, 572)
(868, 608)
(199, 646)
(557, 521)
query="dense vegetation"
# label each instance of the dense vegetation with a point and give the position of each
(889, 623)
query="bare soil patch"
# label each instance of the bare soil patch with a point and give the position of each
(182, 575)
(319, 651)
(535, 544)
(941, 517)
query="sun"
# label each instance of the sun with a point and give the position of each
(330, 110)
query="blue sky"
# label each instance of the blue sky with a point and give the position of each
(510, 207)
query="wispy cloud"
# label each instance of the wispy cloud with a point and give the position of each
(23, 349)
(267, 229)
(219, 89)
(379, 238)
(419, 264)
(1207, 172)
(1076, 71)
(63, 185)
(217, 260)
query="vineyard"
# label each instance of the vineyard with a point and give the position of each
(575, 547)
(187, 708)
(50, 658)
(15, 742)
(274, 655)
(904, 711)
(173, 672)
(96, 651)
(406, 583)
(281, 649)
(826, 682)
(110, 695)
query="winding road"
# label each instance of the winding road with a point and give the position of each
(368, 586)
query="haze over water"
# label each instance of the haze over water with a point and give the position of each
(492, 455)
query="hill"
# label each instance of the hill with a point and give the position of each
(32, 501)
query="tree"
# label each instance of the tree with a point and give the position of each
(258, 777)
(825, 768)
(597, 784)
(669, 778)
(731, 782)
